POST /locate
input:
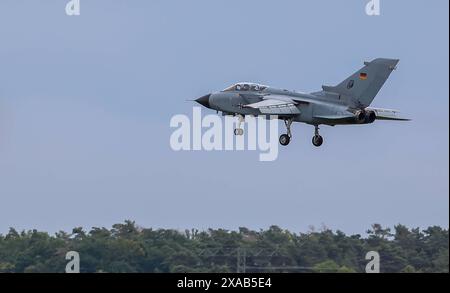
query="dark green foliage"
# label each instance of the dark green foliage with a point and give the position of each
(128, 248)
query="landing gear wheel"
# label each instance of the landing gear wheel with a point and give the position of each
(317, 140)
(238, 131)
(284, 139)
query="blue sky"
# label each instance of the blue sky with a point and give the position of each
(85, 105)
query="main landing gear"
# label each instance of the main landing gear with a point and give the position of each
(317, 140)
(239, 131)
(285, 139)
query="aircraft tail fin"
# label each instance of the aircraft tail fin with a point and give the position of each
(364, 85)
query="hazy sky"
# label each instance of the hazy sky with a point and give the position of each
(85, 105)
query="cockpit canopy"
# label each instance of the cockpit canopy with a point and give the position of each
(245, 86)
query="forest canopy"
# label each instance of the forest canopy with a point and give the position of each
(126, 247)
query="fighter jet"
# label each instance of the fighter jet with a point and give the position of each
(343, 104)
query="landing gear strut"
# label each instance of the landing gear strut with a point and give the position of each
(285, 139)
(317, 140)
(239, 130)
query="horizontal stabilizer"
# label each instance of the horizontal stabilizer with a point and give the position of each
(387, 114)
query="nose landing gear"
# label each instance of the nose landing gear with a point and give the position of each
(239, 131)
(284, 139)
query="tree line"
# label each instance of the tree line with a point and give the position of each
(128, 248)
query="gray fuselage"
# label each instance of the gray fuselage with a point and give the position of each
(321, 104)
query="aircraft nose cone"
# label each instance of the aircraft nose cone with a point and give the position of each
(204, 101)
